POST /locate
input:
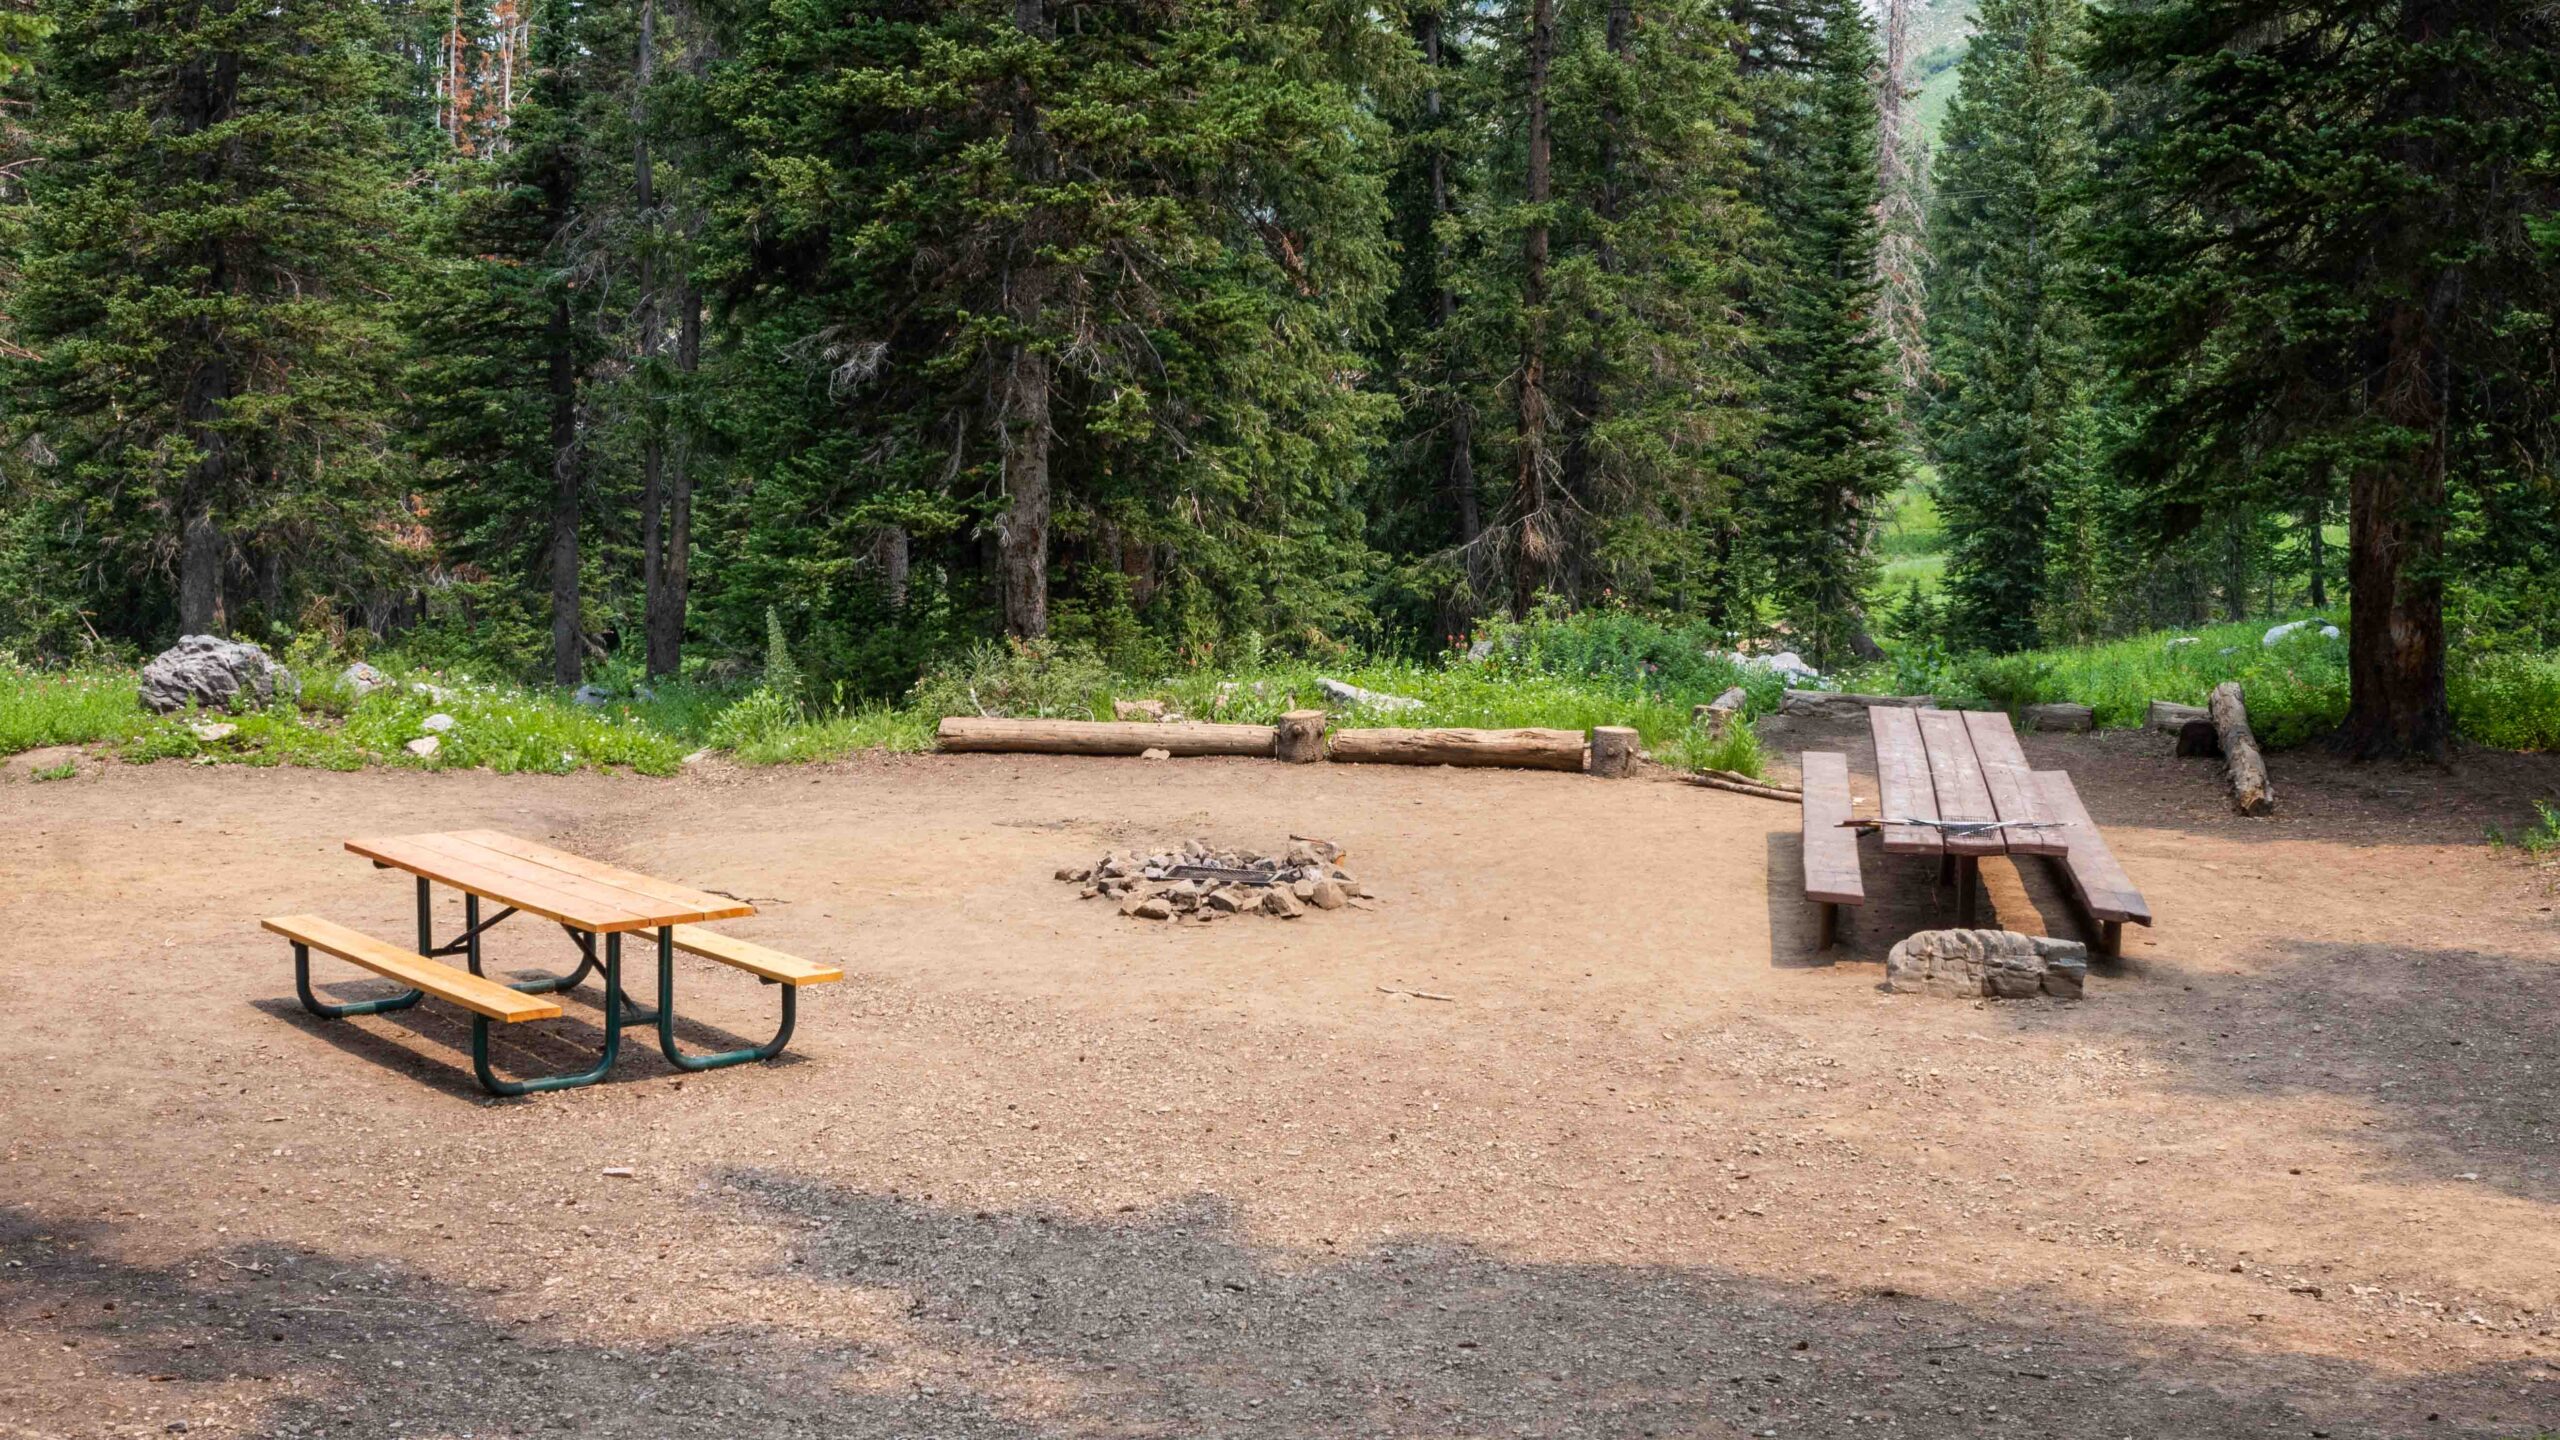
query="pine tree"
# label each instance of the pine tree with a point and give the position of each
(503, 341)
(1120, 347)
(1831, 456)
(215, 211)
(2334, 224)
(2008, 318)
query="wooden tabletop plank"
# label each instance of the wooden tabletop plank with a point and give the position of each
(648, 891)
(1903, 782)
(2104, 887)
(549, 894)
(2015, 792)
(1956, 771)
(1830, 849)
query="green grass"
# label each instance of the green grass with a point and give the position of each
(65, 707)
(2540, 841)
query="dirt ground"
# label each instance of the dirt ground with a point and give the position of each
(1653, 1168)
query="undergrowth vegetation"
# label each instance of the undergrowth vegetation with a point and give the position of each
(1609, 666)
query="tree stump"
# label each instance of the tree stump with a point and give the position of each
(2251, 792)
(1613, 751)
(1302, 736)
(1718, 713)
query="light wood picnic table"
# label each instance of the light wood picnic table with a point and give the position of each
(588, 899)
(1955, 784)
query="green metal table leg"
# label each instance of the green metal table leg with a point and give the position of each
(314, 1004)
(491, 1081)
(667, 1017)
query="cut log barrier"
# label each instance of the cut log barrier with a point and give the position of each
(1520, 749)
(2251, 792)
(1301, 736)
(993, 734)
(2168, 717)
(1718, 713)
(1614, 749)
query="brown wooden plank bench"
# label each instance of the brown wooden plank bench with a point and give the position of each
(769, 965)
(2097, 881)
(1831, 877)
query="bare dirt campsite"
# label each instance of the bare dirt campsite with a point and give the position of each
(1569, 1132)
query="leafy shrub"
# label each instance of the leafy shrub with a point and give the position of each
(1020, 678)
(2511, 701)
(763, 713)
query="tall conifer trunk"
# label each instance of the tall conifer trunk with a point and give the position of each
(209, 92)
(1460, 476)
(1534, 547)
(566, 664)
(669, 598)
(2395, 546)
(1022, 536)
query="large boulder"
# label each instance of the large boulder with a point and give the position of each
(1999, 963)
(212, 673)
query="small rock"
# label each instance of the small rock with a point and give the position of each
(209, 733)
(1223, 902)
(363, 679)
(1074, 874)
(590, 695)
(1282, 904)
(617, 1172)
(1303, 888)
(1353, 697)
(1327, 895)
(436, 724)
(1152, 909)
(1138, 709)
(1155, 752)
(698, 756)
(423, 746)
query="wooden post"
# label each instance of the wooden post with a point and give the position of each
(1614, 749)
(2251, 792)
(1302, 736)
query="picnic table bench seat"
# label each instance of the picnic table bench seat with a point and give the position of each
(448, 983)
(766, 964)
(2096, 878)
(1831, 877)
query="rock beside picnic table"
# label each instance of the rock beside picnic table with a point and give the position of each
(2001, 964)
(211, 673)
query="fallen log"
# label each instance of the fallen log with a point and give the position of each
(1718, 713)
(1614, 749)
(1522, 749)
(2251, 792)
(1843, 706)
(1716, 781)
(973, 734)
(2169, 717)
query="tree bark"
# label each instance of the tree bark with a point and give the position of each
(1533, 549)
(567, 665)
(1301, 736)
(2318, 522)
(1022, 536)
(962, 734)
(2395, 545)
(2252, 793)
(1460, 474)
(669, 601)
(1614, 751)
(1519, 749)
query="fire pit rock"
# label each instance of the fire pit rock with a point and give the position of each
(1199, 882)
(2002, 964)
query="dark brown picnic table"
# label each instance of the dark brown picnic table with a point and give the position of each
(1954, 784)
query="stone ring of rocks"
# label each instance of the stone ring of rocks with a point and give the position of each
(1200, 882)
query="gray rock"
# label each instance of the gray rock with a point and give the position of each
(1074, 874)
(2061, 717)
(1327, 895)
(363, 679)
(590, 695)
(1224, 902)
(423, 746)
(436, 724)
(1481, 649)
(1152, 909)
(1282, 904)
(1972, 963)
(1353, 697)
(1155, 752)
(213, 732)
(213, 673)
